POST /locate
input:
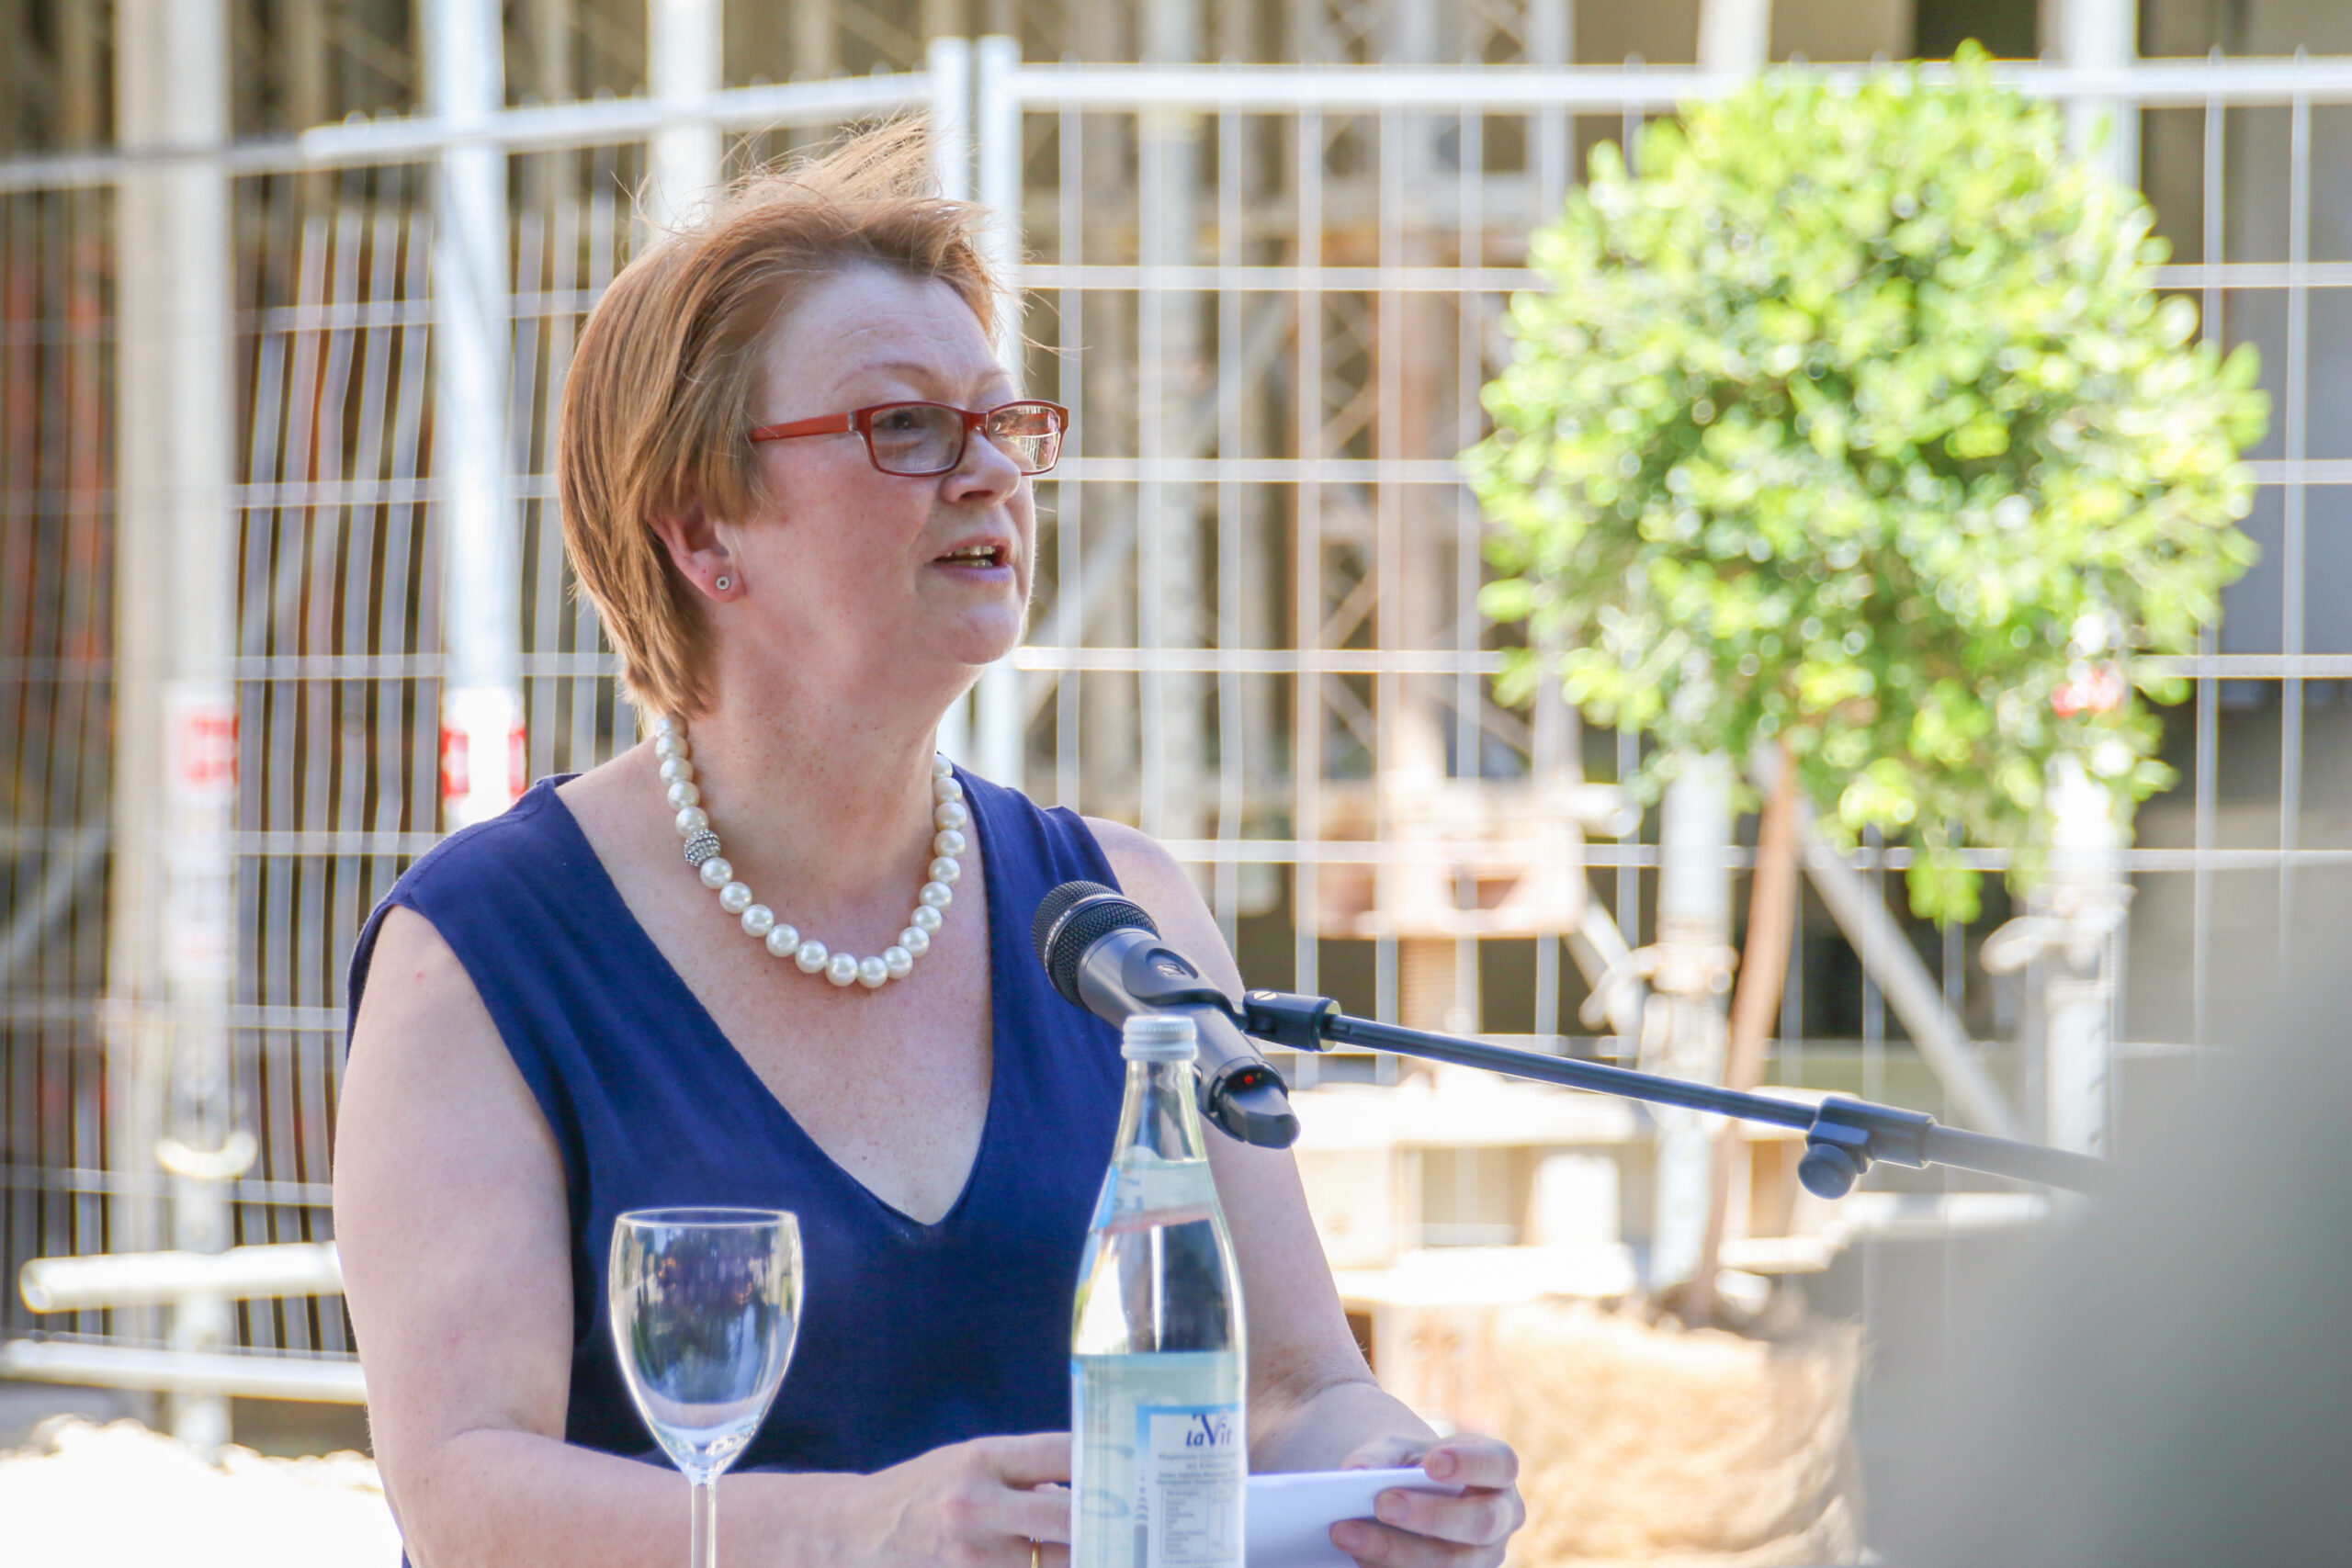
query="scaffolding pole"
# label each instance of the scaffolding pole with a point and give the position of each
(172, 939)
(482, 705)
(999, 709)
(685, 67)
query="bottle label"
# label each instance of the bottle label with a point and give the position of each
(1192, 1470)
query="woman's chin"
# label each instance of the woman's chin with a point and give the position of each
(976, 636)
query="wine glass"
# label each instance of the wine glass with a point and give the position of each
(705, 1306)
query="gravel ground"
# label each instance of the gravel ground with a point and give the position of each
(82, 1495)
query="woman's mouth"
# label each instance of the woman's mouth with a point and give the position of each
(981, 557)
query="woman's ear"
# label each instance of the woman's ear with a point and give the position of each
(699, 552)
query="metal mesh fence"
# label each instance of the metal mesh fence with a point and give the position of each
(1272, 304)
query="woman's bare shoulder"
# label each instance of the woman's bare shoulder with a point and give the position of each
(1142, 864)
(422, 1026)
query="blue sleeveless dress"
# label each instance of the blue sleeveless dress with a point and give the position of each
(913, 1335)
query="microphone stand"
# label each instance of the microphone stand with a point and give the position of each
(1843, 1136)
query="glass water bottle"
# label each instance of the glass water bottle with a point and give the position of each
(1158, 1354)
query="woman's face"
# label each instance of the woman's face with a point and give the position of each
(855, 577)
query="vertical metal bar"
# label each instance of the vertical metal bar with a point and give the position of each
(1307, 740)
(1170, 589)
(1069, 495)
(1231, 734)
(2209, 718)
(685, 50)
(1873, 999)
(2293, 551)
(545, 696)
(2102, 35)
(1469, 686)
(949, 64)
(174, 943)
(1000, 711)
(1551, 43)
(472, 461)
(1392, 731)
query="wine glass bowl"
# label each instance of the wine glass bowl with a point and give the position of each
(704, 1305)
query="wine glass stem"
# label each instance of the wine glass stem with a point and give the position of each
(703, 1532)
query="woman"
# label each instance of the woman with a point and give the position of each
(555, 1020)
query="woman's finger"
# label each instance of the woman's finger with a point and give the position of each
(1475, 1518)
(1383, 1546)
(1042, 1515)
(1472, 1462)
(1031, 1460)
(1385, 1452)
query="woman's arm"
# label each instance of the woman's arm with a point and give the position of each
(1313, 1401)
(452, 1220)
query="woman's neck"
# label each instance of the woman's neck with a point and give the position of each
(830, 798)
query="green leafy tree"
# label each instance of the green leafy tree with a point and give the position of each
(1853, 424)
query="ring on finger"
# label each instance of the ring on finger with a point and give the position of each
(1036, 1552)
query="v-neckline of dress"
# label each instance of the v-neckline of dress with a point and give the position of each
(713, 1036)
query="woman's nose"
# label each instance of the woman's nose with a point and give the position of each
(988, 472)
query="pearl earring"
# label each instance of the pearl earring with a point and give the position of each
(724, 583)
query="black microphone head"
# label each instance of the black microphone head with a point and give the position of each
(1071, 919)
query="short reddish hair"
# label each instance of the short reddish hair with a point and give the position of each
(660, 393)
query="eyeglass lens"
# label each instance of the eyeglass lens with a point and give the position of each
(925, 438)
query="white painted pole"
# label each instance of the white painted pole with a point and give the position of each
(948, 63)
(999, 708)
(173, 948)
(1692, 971)
(1735, 37)
(2086, 896)
(685, 63)
(481, 709)
(2102, 35)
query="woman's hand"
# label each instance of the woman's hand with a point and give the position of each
(975, 1505)
(1427, 1530)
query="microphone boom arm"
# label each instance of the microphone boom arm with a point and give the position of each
(1843, 1136)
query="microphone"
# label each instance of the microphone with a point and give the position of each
(1102, 951)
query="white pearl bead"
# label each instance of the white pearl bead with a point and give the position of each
(944, 869)
(841, 969)
(676, 770)
(735, 898)
(947, 788)
(758, 920)
(683, 794)
(782, 940)
(692, 820)
(897, 963)
(665, 724)
(914, 941)
(948, 842)
(937, 895)
(950, 814)
(811, 956)
(872, 973)
(716, 872)
(924, 919)
(668, 745)
(940, 767)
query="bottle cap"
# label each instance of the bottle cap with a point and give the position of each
(1158, 1037)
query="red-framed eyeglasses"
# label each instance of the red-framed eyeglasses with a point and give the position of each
(919, 439)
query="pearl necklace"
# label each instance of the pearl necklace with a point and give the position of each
(949, 817)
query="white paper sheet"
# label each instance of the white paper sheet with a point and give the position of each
(1290, 1517)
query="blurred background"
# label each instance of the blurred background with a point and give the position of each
(287, 291)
